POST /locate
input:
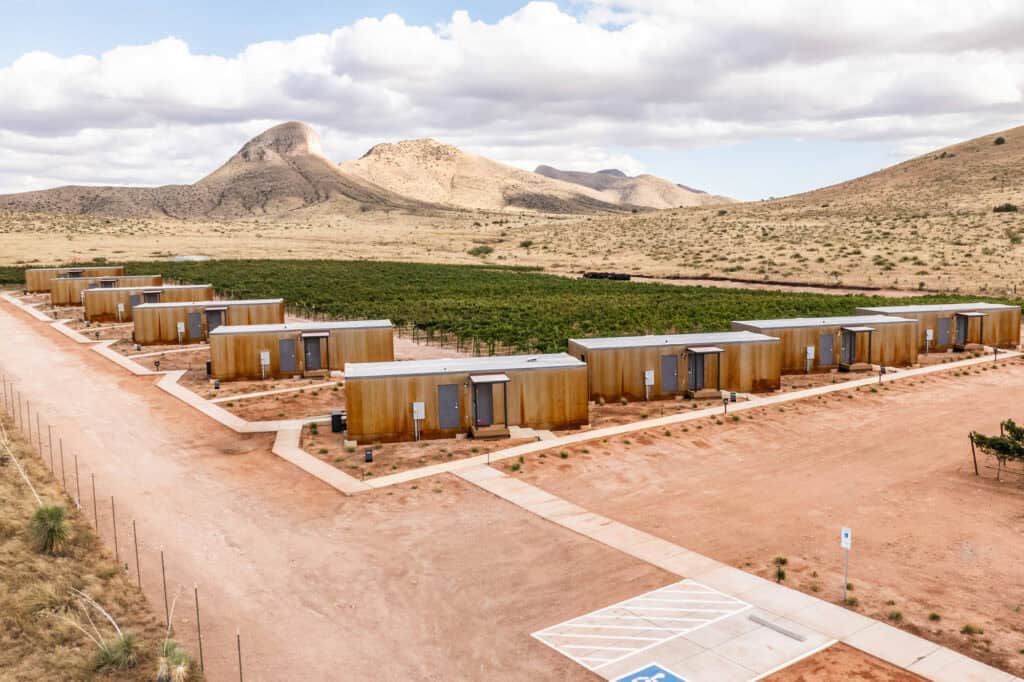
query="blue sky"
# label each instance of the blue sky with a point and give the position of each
(746, 99)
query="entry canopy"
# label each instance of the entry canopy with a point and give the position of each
(858, 330)
(972, 314)
(315, 335)
(216, 308)
(704, 350)
(489, 379)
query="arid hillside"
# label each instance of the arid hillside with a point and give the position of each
(429, 171)
(641, 190)
(279, 171)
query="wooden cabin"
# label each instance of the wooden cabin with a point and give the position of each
(946, 326)
(39, 280)
(68, 290)
(817, 344)
(414, 399)
(663, 366)
(265, 351)
(192, 321)
(115, 305)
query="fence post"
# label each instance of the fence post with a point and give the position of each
(78, 483)
(49, 438)
(95, 512)
(199, 628)
(63, 477)
(138, 567)
(113, 522)
(39, 439)
(163, 574)
(238, 640)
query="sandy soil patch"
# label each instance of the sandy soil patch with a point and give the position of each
(314, 401)
(892, 463)
(842, 662)
(390, 458)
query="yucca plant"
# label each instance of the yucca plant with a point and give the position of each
(114, 652)
(48, 529)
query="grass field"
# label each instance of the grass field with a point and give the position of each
(519, 307)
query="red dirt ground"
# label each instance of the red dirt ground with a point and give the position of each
(841, 662)
(433, 580)
(893, 464)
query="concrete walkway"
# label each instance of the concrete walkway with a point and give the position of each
(701, 655)
(261, 394)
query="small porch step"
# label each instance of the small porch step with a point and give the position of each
(492, 431)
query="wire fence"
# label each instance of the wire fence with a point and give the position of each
(146, 561)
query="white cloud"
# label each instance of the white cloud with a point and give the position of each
(540, 85)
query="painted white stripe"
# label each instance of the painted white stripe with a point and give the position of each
(591, 647)
(598, 626)
(586, 636)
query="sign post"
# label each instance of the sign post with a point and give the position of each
(929, 335)
(845, 540)
(810, 358)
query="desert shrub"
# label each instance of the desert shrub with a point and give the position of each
(1005, 208)
(934, 616)
(481, 251)
(999, 140)
(174, 663)
(526, 243)
(48, 529)
(117, 653)
(971, 630)
(895, 616)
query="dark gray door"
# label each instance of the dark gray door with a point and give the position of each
(961, 330)
(214, 319)
(311, 353)
(849, 348)
(195, 325)
(484, 394)
(826, 343)
(107, 284)
(696, 366)
(286, 351)
(669, 373)
(448, 406)
(134, 300)
(151, 297)
(943, 341)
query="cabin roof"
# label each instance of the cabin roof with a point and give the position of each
(206, 304)
(797, 322)
(938, 308)
(151, 287)
(491, 365)
(230, 329)
(709, 339)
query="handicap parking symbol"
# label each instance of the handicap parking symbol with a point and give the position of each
(652, 673)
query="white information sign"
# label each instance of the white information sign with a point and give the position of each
(810, 352)
(846, 538)
(648, 377)
(181, 327)
(929, 335)
(419, 410)
(265, 358)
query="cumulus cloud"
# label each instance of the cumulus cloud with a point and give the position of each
(542, 85)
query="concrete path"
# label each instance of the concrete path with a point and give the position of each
(172, 350)
(737, 648)
(261, 394)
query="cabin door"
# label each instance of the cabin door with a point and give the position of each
(695, 362)
(311, 353)
(214, 319)
(286, 352)
(448, 406)
(943, 333)
(826, 343)
(151, 296)
(849, 348)
(669, 373)
(195, 325)
(961, 330)
(134, 300)
(483, 401)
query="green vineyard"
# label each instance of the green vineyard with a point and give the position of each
(519, 308)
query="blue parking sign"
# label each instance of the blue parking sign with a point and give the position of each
(652, 673)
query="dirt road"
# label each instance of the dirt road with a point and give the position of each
(929, 537)
(434, 581)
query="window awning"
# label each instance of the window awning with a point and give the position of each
(858, 330)
(704, 350)
(315, 335)
(971, 315)
(215, 308)
(489, 379)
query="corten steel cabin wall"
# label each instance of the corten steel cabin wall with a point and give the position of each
(1002, 327)
(614, 373)
(237, 356)
(39, 280)
(100, 305)
(893, 344)
(158, 324)
(68, 290)
(380, 408)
